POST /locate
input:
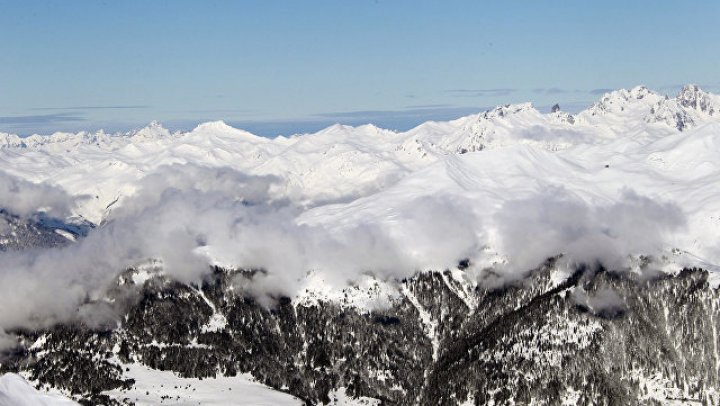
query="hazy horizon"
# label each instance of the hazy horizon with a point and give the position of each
(290, 67)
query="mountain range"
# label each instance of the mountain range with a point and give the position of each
(506, 257)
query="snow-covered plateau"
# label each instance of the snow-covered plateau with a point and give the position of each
(446, 243)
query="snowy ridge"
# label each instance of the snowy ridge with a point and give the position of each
(655, 146)
(340, 162)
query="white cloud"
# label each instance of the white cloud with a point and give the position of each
(23, 198)
(7, 341)
(189, 215)
(555, 222)
(603, 301)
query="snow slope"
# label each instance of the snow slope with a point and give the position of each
(165, 388)
(157, 387)
(15, 391)
(681, 168)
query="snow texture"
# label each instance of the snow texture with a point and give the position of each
(15, 391)
(165, 388)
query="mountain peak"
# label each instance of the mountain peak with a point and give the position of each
(619, 101)
(692, 96)
(152, 131)
(508, 109)
(640, 91)
(636, 93)
(336, 128)
(218, 125)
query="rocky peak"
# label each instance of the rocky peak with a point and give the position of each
(620, 100)
(507, 110)
(691, 106)
(11, 141)
(691, 96)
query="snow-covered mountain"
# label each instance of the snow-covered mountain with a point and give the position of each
(657, 146)
(506, 256)
(342, 162)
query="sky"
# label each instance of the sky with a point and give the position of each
(285, 67)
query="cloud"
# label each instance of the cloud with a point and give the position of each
(551, 90)
(429, 106)
(189, 216)
(481, 92)
(603, 302)
(428, 233)
(556, 222)
(600, 91)
(119, 107)
(422, 112)
(167, 221)
(7, 341)
(41, 119)
(23, 198)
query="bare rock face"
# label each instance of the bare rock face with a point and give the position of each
(590, 338)
(691, 107)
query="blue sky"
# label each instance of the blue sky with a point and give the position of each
(291, 66)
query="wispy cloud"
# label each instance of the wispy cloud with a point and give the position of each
(41, 119)
(550, 90)
(426, 112)
(91, 108)
(481, 92)
(224, 111)
(600, 91)
(427, 106)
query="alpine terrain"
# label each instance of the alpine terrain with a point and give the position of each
(510, 257)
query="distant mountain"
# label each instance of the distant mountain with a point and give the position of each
(364, 158)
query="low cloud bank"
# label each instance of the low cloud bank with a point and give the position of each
(23, 198)
(189, 216)
(557, 222)
(604, 302)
